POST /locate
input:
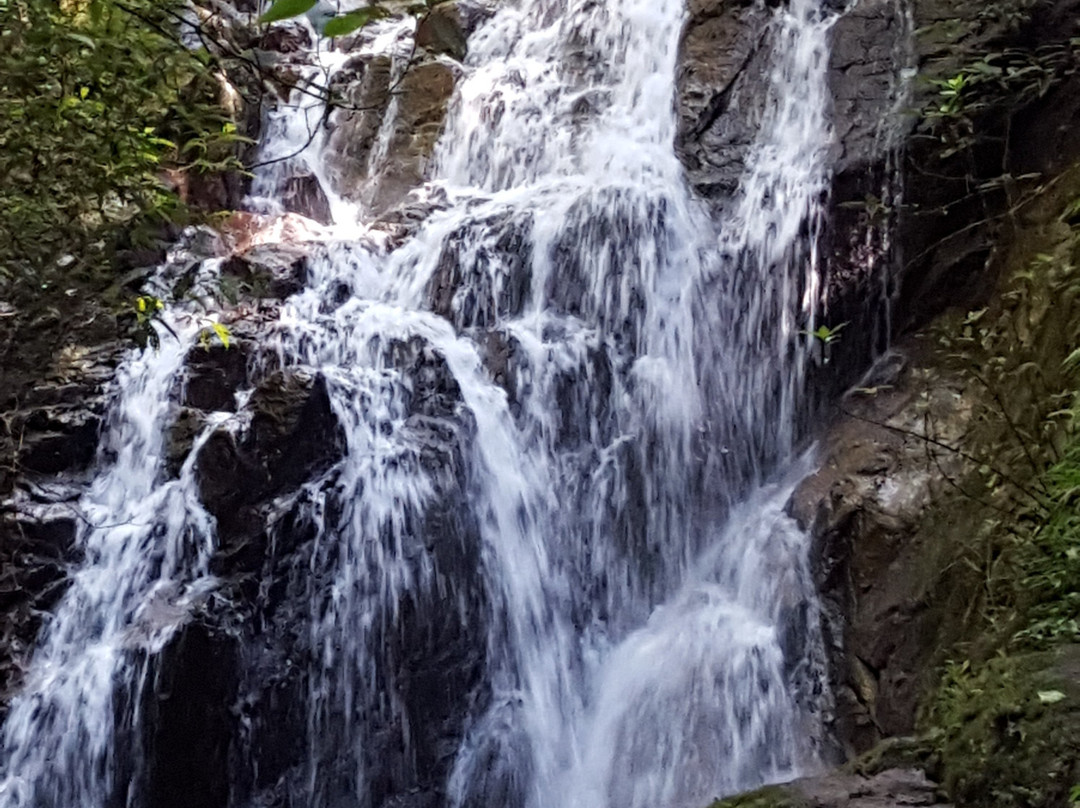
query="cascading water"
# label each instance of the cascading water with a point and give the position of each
(146, 541)
(603, 514)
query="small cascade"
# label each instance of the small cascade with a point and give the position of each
(145, 541)
(551, 566)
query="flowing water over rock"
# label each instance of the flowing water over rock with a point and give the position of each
(546, 552)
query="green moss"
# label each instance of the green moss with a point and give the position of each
(767, 797)
(911, 752)
(1007, 732)
(1002, 727)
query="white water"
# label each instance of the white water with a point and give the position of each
(146, 541)
(649, 620)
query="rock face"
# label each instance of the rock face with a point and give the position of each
(383, 136)
(381, 144)
(48, 441)
(902, 195)
(866, 509)
(943, 232)
(276, 565)
(721, 75)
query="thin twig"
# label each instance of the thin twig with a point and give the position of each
(954, 450)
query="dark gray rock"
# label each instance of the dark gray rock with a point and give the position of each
(303, 194)
(721, 79)
(870, 49)
(491, 283)
(188, 719)
(292, 436)
(214, 374)
(269, 270)
(874, 551)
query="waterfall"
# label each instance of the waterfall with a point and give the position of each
(145, 540)
(571, 407)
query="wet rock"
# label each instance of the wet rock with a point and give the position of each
(721, 82)
(213, 376)
(277, 566)
(47, 529)
(434, 392)
(181, 438)
(892, 787)
(869, 51)
(303, 194)
(422, 101)
(189, 721)
(269, 270)
(417, 117)
(292, 436)
(58, 440)
(499, 354)
(866, 509)
(475, 287)
(286, 37)
(50, 426)
(402, 221)
(363, 85)
(441, 31)
(448, 25)
(38, 531)
(293, 430)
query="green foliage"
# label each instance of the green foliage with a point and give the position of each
(220, 331)
(1049, 596)
(1004, 80)
(97, 99)
(826, 334)
(951, 92)
(353, 20)
(286, 9)
(1004, 722)
(1003, 733)
(767, 797)
(338, 25)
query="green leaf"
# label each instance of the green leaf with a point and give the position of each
(286, 9)
(222, 333)
(82, 39)
(347, 23)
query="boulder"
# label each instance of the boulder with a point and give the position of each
(875, 553)
(440, 31)
(446, 28)
(292, 436)
(213, 376)
(415, 121)
(478, 287)
(269, 270)
(303, 194)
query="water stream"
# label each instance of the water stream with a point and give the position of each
(648, 626)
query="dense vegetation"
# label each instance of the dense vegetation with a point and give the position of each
(97, 99)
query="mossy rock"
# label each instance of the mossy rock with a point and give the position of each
(1008, 732)
(767, 797)
(909, 752)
